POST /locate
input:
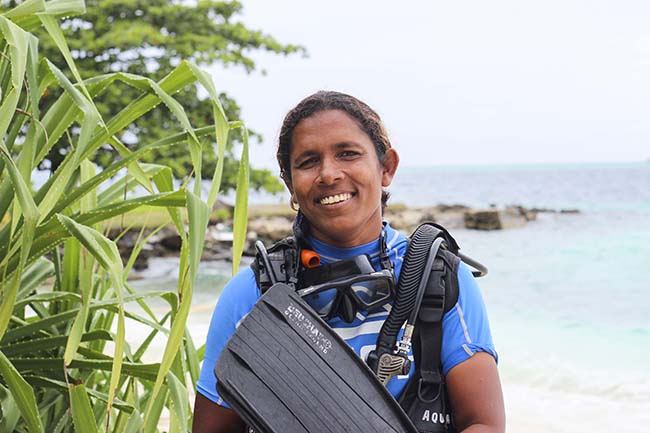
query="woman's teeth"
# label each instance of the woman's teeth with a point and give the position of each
(336, 198)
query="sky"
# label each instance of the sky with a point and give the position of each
(462, 82)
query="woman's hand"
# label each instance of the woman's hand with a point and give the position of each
(210, 417)
(475, 395)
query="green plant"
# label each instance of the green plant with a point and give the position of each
(148, 37)
(65, 363)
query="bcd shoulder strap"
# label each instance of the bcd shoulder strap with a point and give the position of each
(424, 398)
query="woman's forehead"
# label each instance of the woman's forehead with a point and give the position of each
(328, 127)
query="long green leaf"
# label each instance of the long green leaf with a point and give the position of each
(18, 39)
(79, 324)
(7, 110)
(178, 394)
(192, 356)
(176, 80)
(26, 14)
(135, 423)
(143, 371)
(134, 168)
(102, 248)
(164, 181)
(30, 215)
(118, 355)
(221, 129)
(22, 393)
(10, 411)
(198, 214)
(47, 297)
(56, 33)
(157, 402)
(82, 412)
(33, 276)
(26, 8)
(46, 382)
(106, 253)
(41, 344)
(65, 7)
(240, 217)
(37, 326)
(71, 162)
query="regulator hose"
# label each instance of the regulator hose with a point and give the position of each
(407, 290)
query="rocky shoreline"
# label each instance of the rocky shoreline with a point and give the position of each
(270, 223)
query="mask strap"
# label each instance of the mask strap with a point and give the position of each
(384, 260)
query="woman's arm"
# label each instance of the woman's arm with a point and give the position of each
(210, 417)
(236, 300)
(475, 395)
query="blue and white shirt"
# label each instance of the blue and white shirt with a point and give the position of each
(465, 328)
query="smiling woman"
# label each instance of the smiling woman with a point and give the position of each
(336, 159)
(337, 178)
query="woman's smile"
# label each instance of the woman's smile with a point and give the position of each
(335, 199)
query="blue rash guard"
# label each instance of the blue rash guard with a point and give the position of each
(465, 328)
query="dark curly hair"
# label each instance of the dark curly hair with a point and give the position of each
(366, 117)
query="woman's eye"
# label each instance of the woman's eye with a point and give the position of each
(348, 154)
(307, 163)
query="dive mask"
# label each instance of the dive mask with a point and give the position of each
(345, 287)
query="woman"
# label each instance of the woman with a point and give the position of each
(335, 158)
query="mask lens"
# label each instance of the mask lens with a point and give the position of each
(372, 292)
(321, 302)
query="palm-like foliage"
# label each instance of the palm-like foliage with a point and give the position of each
(65, 364)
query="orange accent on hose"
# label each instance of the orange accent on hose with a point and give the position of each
(310, 259)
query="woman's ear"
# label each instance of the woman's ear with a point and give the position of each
(293, 199)
(391, 161)
(287, 182)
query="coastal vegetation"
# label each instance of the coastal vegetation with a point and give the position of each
(66, 305)
(151, 38)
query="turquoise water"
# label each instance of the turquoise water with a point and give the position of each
(568, 295)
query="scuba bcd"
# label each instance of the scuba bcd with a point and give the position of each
(427, 288)
(341, 288)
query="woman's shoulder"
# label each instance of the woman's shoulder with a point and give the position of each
(240, 292)
(394, 238)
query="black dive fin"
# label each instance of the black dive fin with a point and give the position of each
(285, 370)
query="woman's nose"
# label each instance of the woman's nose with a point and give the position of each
(329, 172)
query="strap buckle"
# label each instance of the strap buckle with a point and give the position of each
(429, 382)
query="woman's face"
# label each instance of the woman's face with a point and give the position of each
(337, 178)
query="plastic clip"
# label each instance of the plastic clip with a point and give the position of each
(429, 379)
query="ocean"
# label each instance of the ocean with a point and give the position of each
(568, 294)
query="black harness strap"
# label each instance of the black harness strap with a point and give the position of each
(425, 398)
(429, 325)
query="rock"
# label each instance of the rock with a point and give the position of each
(171, 241)
(125, 246)
(142, 260)
(514, 217)
(427, 215)
(482, 220)
(570, 211)
(498, 219)
(405, 220)
(271, 229)
(451, 207)
(542, 210)
(450, 216)
(528, 214)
